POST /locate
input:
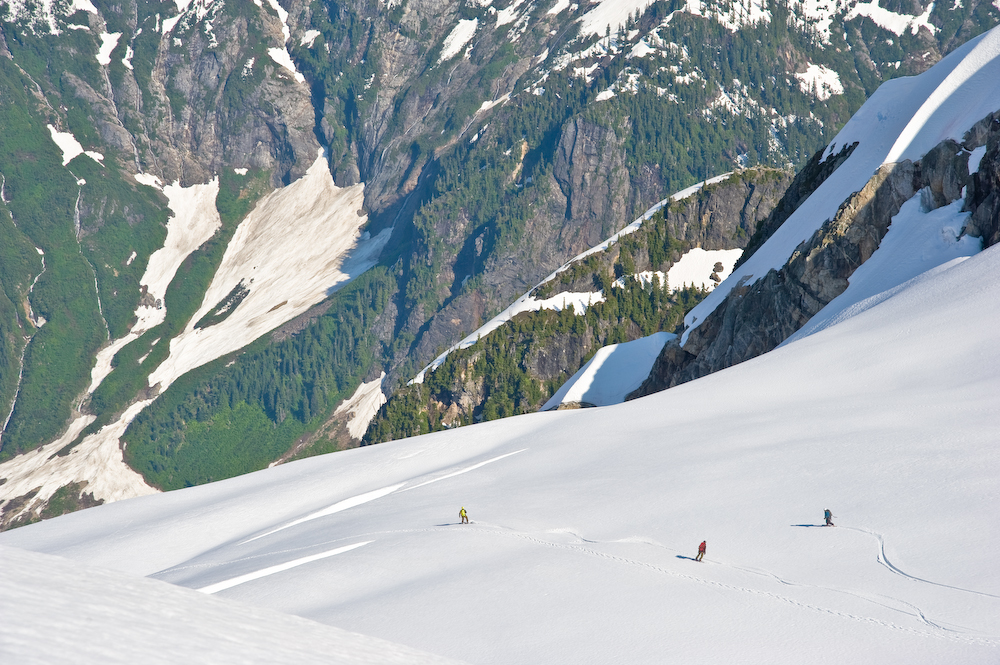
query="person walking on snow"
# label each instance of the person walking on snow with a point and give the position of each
(464, 515)
(701, 551)
(828, 516)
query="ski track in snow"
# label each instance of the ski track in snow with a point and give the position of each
(940, 631)
(884, 561)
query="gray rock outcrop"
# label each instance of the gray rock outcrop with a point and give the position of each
(757, 317)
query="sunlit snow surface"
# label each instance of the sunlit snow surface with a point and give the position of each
(362, 406)
(903, 119)
(53, 608)
(613, 372)
(584, 523)
(824, 81)
(891, 21)
(70, 147)
(456, 40)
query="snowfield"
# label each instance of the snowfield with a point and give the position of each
(140, 616)
(584, 522)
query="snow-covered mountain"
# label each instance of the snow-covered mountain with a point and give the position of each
(585, 523)
(220, 222)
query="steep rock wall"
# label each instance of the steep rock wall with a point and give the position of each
(755, 318)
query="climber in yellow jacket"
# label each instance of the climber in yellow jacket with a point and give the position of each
(464, 515)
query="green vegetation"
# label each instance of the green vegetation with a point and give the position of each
(503, 361)
(228, 418)
(42, 195)
(237, 196)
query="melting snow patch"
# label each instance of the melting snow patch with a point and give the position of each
(641, 50)
(82, 6)
(697, 266)
(456, 40)
(131, 258)
(508, 15)
(109, 40)
(308, 38)
(604, 95)
(148, 179)
(891, 21)
(976, 157)
(487, 105)
(283, 16)
(241, 171)
(70, 147)
(821, 81)
(613, 13)
(362, 407)
(313, 221)
(282, 57)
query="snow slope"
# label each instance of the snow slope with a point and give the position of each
(613, 372)
(311, 221)
(903, 119)
(149, 622)
(584, 523)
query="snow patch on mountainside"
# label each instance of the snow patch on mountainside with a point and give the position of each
(456, 40)
(146, 621)
(97, 462)
(891, 21)
(610, 13)
(195, 219)
(299, 245)
(697, 265)
(70, 147)
(282, 57)
(362, 406)
(903, 119)
(109, 41)
(613, 372)
(821, 81)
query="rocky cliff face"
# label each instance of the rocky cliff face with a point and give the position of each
(983, 197)
(516, 368)
(755, 318)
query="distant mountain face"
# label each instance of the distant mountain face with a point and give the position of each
(220, 218)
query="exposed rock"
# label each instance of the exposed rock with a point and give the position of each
(983, 194)
(590, 170)
(756, 317)
(811, 176)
